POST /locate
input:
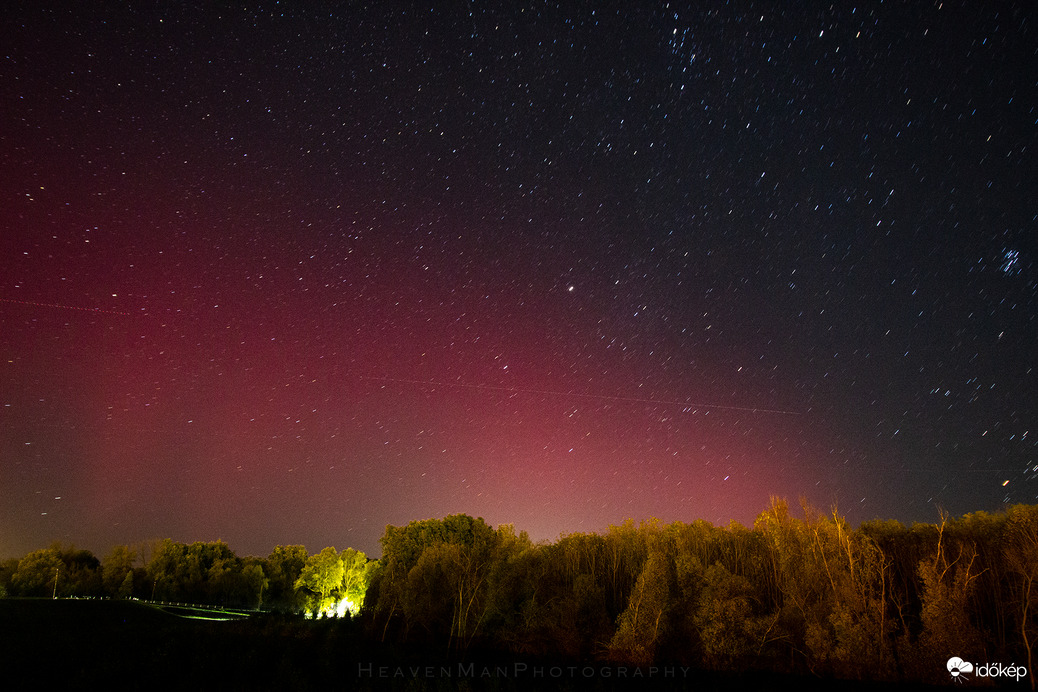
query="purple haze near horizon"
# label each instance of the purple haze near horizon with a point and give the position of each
(287, 275)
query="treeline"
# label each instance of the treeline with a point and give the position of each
(287, 580)
(795, 594)
(799, 593)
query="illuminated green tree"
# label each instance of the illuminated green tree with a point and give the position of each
(356, 575)
(335, 583)
(321, 575)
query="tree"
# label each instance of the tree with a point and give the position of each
(57, 571)
(125, 589)
(446, 588)
(356, 575)
(7, 569)
(465, 567)
(284, 565)
(117, 566)
(321, 575)
(948, 579)
(1021, 556)
(209, 573)
(641, 625)
(196, 573)
(164, 564)
(725, 617)
(38, 573)
(433, 586)
(514, 586)
(253, 581)
(82, 572)
(828, 589)
(571, 608)
(625, 549)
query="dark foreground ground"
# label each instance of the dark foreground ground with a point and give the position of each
(126, 645)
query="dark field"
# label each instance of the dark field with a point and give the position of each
(128, 645)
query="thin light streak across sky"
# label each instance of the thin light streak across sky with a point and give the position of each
(549, 265)
(598, 397)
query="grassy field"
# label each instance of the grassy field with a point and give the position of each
(128, 645)
(131, 645)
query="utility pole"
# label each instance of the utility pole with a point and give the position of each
(56, 570)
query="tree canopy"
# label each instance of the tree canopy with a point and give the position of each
(798, 592)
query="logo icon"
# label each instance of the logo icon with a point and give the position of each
(958, 668)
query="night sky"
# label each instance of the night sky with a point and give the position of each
(278, 275)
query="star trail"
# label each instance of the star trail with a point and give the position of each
(281, 275)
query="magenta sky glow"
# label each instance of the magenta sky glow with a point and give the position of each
(290, 276)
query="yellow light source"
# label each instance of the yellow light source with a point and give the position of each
(335, 609)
